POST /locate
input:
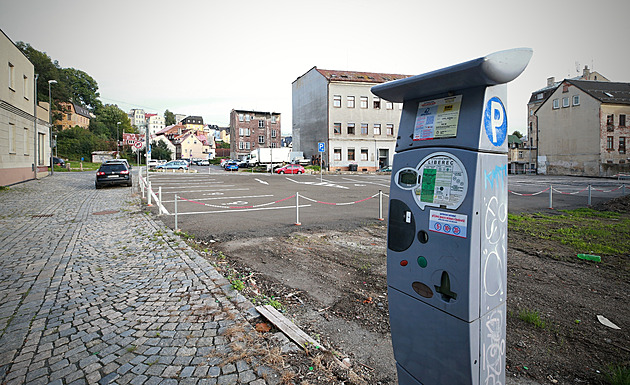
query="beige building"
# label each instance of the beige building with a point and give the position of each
(24, 128)
(537, 99)
(73, 115)
(583, 129)
(337, 108)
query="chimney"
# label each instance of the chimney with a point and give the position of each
(586, 73)
(551, 81)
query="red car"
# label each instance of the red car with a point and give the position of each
(291, 169)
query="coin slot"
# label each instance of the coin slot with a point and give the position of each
(423, 236)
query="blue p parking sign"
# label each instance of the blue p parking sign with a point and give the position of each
(495, 121)
(321, 147)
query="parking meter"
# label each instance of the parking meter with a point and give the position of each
(447, 229)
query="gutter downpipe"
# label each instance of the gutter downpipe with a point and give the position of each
(35, 129)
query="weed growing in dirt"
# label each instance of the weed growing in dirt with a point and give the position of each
(531, 317)
(237, 284)
(583, 230)
(618, 375)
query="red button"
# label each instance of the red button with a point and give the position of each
(403, 262)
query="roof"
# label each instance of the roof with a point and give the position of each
(359, 77)
(605, 92)
(514, 139)
(81, 111)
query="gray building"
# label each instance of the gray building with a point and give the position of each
(337, 108)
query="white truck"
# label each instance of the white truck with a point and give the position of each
(263, 156)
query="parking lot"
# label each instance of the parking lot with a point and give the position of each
(230, 204)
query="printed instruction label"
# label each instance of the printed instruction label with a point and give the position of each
(448, 223)
(437, 118)
(444, 182)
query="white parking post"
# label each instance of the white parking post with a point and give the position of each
(551, 196)
(297, 209)
(589, 195)
(142, 187)
(149, 195)
(380, 205)
(160, 200)
(175, 213)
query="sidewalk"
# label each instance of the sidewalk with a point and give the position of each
(93, 290)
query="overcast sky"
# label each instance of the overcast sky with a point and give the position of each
(206, 57)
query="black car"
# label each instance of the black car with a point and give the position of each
(112, 174)
(59, 162)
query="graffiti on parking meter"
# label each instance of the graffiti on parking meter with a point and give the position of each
(443, 181)
(437, 118)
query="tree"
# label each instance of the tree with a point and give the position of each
(83, 88)
(169, 118)
(77, 142)
(517, 134)
(106, 123)
(47, 70)
(159, 150)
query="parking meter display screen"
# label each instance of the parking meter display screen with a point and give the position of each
(407, 178)
(444, 181)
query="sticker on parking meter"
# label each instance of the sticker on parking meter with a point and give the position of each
(495, 121)
(437, 118)
(448, 223)
(444, 181)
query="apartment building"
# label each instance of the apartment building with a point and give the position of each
(337, 108)
(73, 115)
(24, 124)
(250, 130)
(155, 123)
(583, 129)
(193, 123)
(137, 117)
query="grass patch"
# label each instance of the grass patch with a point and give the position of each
(531, 317)
(618, 375)
(584, 230)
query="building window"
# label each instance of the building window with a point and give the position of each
(351, 154)
(610, 143)
(337, 128)
(261, 124)
(565, 102)
(240, 145)
(610, 122)
(389, 105)
(622, 120)
(25, 87)
(11, 138)
(377, 103)
(240, 117)
(273, 133)
(337, 101)
(576, 100)
(539, 96)
(273, 119)
(364, 154)
(247, 145)
(364, 128)
(12, 77)
(556, 104)
(350, 128)
(337, 154)
(261, 139)
(274, 145)
(350, 101)
(377, 129)
(247, 118)
(622, 144)
(364, 102)
(390, 129)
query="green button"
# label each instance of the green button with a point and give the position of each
(422, 262)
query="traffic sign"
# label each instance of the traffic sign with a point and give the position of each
(321, 147)
(138, 144)
(495, 121)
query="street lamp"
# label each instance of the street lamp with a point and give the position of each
(52, 164)
(117, 151)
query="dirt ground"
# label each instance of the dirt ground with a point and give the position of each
(332, 284)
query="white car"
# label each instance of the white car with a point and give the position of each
(153, 163)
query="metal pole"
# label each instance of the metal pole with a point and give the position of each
(380, 205)
(52, 164)
(320, 168)
(589, 195)
(551, 196)
(623, 189)
(35, 136)
(142, 186)
(175, 213)
(149, 195)
(160, 200)
(297, 209)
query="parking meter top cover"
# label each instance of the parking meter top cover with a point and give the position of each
(496, 68)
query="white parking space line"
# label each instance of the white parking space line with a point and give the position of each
(325, 184)
(227, 197)
(187, 185)
(261, 181)
(365, 181)
(241, 210)
(207, 190)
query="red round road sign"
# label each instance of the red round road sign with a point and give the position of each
(138, 144)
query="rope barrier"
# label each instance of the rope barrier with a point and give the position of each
(236, 207)
(529, 195)
(562, 192)
(338, 204)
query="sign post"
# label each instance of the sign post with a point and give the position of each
(321, 148)
(447, 229)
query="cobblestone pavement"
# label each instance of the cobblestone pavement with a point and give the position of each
(92, 290)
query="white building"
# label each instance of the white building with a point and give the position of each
(155, 123)
(337, 108)
(138, 119)
(24, 128)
